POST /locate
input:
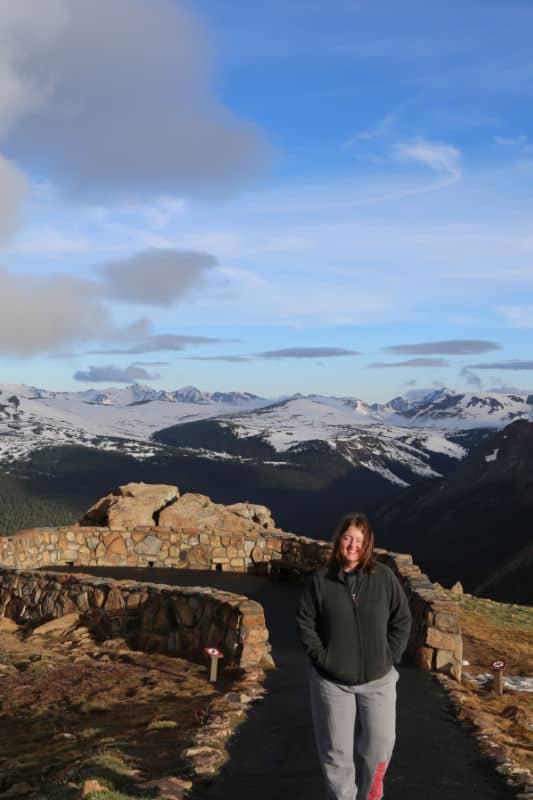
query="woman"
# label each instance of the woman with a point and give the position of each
(353, 621)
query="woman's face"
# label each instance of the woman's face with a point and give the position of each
(351, 546)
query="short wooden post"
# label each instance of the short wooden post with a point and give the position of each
(498, 667)
(214, 655)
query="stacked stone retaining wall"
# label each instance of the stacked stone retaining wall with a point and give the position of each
(435, 642)
(181, 620)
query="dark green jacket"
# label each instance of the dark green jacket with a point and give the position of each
(353, 641)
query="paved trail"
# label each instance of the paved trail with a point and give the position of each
(273, 754)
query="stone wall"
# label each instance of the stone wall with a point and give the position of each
(435, 643)
(154, 617)
(146, 546)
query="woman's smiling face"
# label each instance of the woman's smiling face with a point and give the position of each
(351, 546)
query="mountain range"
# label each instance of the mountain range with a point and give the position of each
(308, 457)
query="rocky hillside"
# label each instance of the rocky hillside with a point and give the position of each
(475, 524)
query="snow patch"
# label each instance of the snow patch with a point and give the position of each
(517, 683)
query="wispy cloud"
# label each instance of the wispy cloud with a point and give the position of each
(307, 352)
(380, 129)
(111, 373)
(438, 156)
(514, 364)
(286, 352)
(511, 141)
(412, 362)
(518, 316)
(229, 359)
(156, 343)
(447, 347)
(151, 364)
(505, 388)
(471, 378)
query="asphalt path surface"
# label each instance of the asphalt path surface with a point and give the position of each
(273, 755)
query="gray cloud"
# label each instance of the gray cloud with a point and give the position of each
(112, 373)
(516, 364)
(287, 352)
(448, 347)
(53, 314)
(115, 96)
(13, 189)
(155, 277)
(38, 314)
(412, 362)
(230, 359)
(157, 342)
(307, 352)
(471, 378)
(151, 364)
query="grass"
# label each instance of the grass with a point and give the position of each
(498, 630)
(507, 615)
(63, 722)
(161, 724)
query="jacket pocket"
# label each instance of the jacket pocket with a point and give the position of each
(323, 657)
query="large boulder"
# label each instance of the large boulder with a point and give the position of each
(191, 511)
(131, 505)
(136, 504)
(199, 511)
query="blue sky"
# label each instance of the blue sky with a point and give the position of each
(325, 197)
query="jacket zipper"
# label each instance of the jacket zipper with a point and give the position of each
(353, 598)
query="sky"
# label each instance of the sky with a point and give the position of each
(313, 197)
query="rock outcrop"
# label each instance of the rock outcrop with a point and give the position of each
(131, 505)
(161, 505)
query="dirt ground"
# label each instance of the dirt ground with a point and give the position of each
(72, 708)
(493, 631)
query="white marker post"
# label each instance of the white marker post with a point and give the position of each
(214, 655)
(498, 666)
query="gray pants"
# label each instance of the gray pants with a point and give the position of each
(355, 730)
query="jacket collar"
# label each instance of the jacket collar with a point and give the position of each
(336, 571)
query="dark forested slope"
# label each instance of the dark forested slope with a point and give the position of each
(476, 524)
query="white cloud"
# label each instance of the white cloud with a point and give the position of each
(438, 156)
(117, 95)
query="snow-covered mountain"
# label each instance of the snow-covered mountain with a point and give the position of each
(398, 439)
(292, 427)
(31, 418)
(448, 409)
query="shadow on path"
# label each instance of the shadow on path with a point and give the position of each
(273, 756)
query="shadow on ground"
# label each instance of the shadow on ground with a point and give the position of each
(273, 756)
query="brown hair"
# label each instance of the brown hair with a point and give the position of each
(358, 520)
